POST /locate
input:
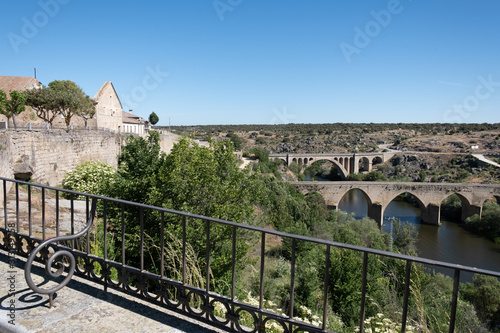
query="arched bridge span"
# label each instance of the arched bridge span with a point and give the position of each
(428, 195)
(346, 163)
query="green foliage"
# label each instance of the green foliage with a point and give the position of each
(259, 153)
(451, 208)
(207, 181)
(89, 177)
(405, 237)
(488, 225)
(295, 168)
(70, 100)
(62, 98)
(372, 176)
(192, 178)
(14, 106)
(422, 175)
(375, 176)
(323, 170)
(328, 128)
(42, 101)
(153, 118)
(3, 99)
(484, 294)
(355, 177)
(238, 142)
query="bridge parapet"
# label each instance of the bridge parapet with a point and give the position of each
(346, 163)
(428, 195)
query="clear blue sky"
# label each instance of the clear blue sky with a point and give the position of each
(267, 62)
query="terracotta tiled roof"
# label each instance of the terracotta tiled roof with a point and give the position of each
(131, 118)
(19, 83)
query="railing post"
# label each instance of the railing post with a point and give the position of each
(363, 293)
(29, 211)
(233, 276)
(5, 202)
(50, 262)
(261, 278)
(325, 287)
(454, 300)
(292, 281)
(406, 295)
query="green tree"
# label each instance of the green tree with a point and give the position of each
(488, 224)
(207, 180)
(153, 118)
(87, 110)
(451, 208)
(89, 177)
(3, 100)
(259, 153)
(237, 141)
(192, 178)
(422, 175)
(42, 101)
(70, 100)
(484, 294)
(405, 237)
(14, 106)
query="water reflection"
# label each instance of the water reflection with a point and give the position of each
(449, 243)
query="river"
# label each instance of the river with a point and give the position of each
(449, 242)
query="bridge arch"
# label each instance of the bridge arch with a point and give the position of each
(377, 160)
(364, 164)
(465, 206)
(495, 198)
(342, 171)
(368, 201)
(420, 203)
(428, 195)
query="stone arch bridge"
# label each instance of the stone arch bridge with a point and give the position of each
(345, 163)
(428, 195)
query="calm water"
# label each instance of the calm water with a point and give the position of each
(449, 242)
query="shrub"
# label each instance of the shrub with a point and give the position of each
(89, 177)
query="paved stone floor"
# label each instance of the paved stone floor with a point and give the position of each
(81, 306)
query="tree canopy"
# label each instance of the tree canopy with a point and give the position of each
(42, 102)
(14, 106)
(70, 100)
(63, 98)
(153, 118)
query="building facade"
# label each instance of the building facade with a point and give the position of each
(108, 108)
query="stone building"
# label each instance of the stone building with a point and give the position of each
(108, 109)
(134, 124)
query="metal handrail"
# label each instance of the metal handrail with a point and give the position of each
(233, 306)
(57, 254)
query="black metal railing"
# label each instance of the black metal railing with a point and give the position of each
(42, 223)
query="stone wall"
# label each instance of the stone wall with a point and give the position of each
(5, 170)
(46, 156)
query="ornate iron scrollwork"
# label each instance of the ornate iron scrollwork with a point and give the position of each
(53, 257)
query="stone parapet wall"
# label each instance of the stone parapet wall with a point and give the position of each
(48, 154)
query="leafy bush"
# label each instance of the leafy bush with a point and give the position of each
(89, 177)
(451, 208)
(487, 225)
